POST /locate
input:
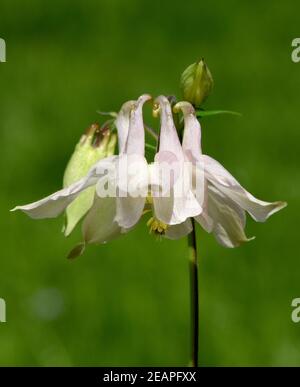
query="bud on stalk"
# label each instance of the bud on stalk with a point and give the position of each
(196, 83)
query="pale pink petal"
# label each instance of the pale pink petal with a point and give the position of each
(131, 197)
(52, 205)
(136, 135)
(228, 219)
(179, 230)
(122, 124)
(173, 199)
(204, 218)
(168, 139)
(227, 184)
(129, 211)
(191, 142)
(174, 209)
(99, 225)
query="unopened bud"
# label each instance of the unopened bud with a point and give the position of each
(196, 83)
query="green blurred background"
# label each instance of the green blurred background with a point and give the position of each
(127, 303)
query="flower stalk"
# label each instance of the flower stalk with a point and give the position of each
(194, 289)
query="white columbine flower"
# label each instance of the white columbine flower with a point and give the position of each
(126, 174)
(225, 200)
(180, 184)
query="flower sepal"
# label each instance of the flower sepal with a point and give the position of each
(94, 145)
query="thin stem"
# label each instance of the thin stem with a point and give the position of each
(151, 147)
(151, 132)
(193, 262)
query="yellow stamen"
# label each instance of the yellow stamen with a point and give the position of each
(155, 110)
(149, 199)
(156, 226)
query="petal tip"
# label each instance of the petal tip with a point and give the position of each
(240, 242)
(282, 205)
(277, 206)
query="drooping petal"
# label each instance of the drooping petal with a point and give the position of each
(228, 219)
(99, 225)
(163, 173)
(163, 208)
(136, 135)
(227, 184)
(132, 170)
(122, 124)
(171, 189)
(191, 142)
(131, 191)
(173, 199)
(168, 139)
(204, 218)
(179, 230)
(191, 145)
(129, 211)
(52, 205)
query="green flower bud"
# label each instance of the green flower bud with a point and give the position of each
(94, 145)
(196, 83)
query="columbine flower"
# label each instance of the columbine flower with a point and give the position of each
(225, 200)
(112, 192)
(180, 184)
(127, 173)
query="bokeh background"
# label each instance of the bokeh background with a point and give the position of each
(127, 303)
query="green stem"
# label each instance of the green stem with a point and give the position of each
(193, 262)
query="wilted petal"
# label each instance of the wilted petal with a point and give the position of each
(226, 183)
(179, 230)
(76, 251)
